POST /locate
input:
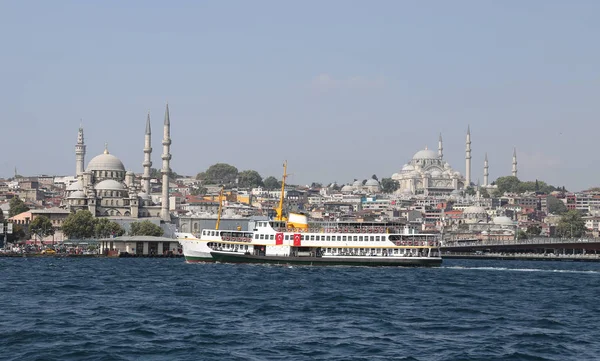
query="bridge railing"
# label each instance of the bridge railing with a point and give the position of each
(519, 242)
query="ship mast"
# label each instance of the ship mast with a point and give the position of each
(220, 207)
(279, 209)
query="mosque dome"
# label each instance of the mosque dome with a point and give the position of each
(503, 221)
(105, 162)
(408, 168)
(372, 183)
(347, 188)
(474, 210)
(110, 185)
(77, 194)
(425, 154)
(357, 184)
(76, 186)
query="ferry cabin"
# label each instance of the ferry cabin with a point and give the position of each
(274, 238)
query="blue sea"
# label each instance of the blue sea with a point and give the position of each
(165, 309)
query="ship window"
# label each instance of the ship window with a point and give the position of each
(372, 238)
(271, 237)
(339, 238)
(377, 238)
(360, 238)
(328, 238)
(312, 238)
(355, 238)
(317, 238)
(256, 236)
(262, 236)
(343, 238)
(287, 237)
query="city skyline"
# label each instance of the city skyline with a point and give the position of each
(356, 93)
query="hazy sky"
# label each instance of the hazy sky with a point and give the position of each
(341, 89)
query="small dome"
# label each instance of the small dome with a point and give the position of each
(474, 210)
(425, 154)
(408, 168)
(110, 185)
(76, 186)
(144, 196)
(77, 195)
(372, 183)
(357, 183)
(105, 161)
(457, 174)
(503, 221)
(347, 188)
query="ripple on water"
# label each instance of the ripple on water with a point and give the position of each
(150, 309)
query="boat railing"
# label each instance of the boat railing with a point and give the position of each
(365, 229)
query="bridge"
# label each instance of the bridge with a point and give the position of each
(535, 248)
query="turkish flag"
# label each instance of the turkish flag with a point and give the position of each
(297, 240)
(279, 238)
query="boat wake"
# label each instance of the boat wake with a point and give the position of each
(522, 269)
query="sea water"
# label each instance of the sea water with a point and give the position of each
(165, 309)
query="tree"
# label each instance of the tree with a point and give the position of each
(79, 225)
(521, 234)
(315, 185)
(533, 230)
(221, 173)
(271, 183)
(17, 206)
(389, 185)
(470, 191)
(570, 225)
(249, 179)
(508, 184)
(364, 182)
(157, 173)
(484, 193)
(41, 226)
(105, 228)
(17, 235)
(201, 176)
(145, 228)
(555, 205)
(200, 191)
(375, 177)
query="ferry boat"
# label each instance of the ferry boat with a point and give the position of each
(290, 240)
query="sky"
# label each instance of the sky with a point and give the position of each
(341, 89)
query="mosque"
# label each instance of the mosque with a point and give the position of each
(429, 174)
(106, 189)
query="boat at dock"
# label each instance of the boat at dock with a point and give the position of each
(291, 240)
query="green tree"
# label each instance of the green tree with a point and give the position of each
(521, 234)
(17, 206)
(508, 184)
(17, 235)
(41, 226)
(145, 228)
(221, 173)
(375, 177)
(571, 224)
(389, 185)
(315, 185)
(533, 230)
(249, 179)
(79, 225)
(555, 205)
(105, 228)
(470, 191)
(271, 183)
(199, 191)
(484, 193)
(157, 173)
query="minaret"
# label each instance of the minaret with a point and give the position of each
(514, 164)
(440, 148)
(80, 154)
(166, 157)
(147, 156)
(468, 158)
(486, 171)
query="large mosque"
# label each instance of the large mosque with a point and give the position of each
(429, 174)
(106, 189)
